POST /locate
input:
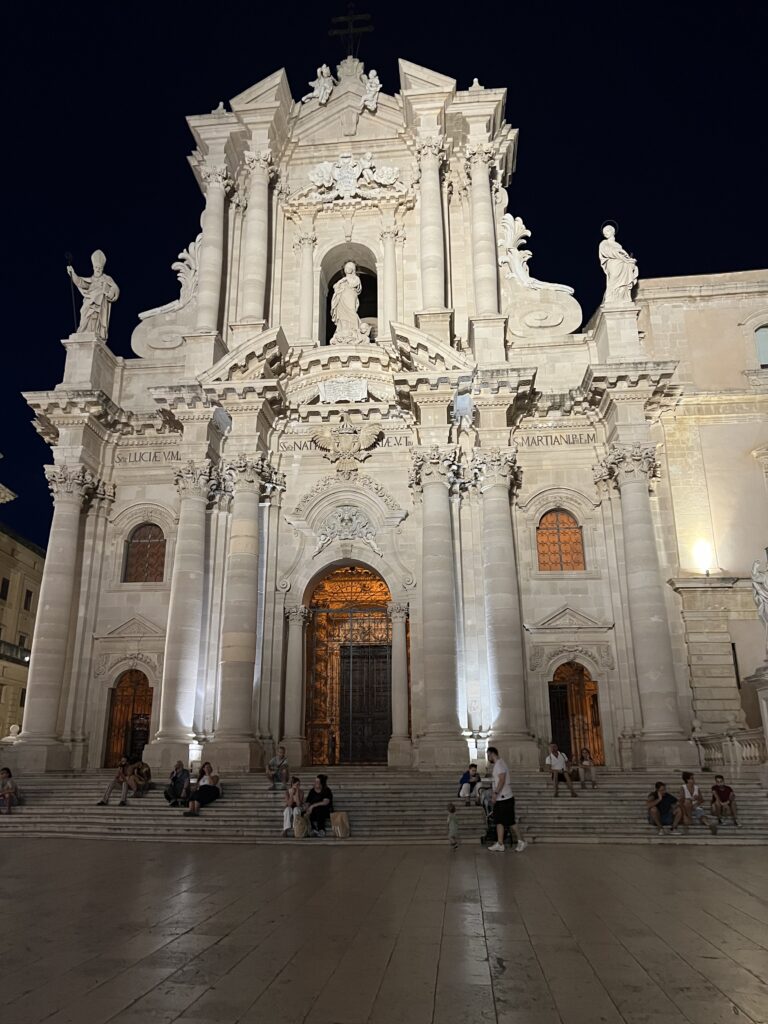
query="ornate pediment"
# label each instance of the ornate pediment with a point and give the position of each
(567, 618)
(137, 626)
(421, 351)
(259, 356)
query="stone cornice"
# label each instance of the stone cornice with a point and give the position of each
(66, 408)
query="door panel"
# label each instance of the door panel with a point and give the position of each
(365, 712)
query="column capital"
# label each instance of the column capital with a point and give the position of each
(259, 163)
(246, 474)
(70, 483)
(216, 175)
(195, 480)
(493, 467)
(434, 465)
(397, 611)
(305, 238)
(432, 147)
(625, 463)
(479, 158)
(298, 615)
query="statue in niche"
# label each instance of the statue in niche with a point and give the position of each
(350, 329)
(463, 430)
(619, 267)
(372, 86)
(322, 87)
(99, 292)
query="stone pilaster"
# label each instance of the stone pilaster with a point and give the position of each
(38, 747)
(487, 326)
(294, 740)
(435, 473)
(496, 473)
(182, 642)
(400, 752)
(254, 275)
(631, 467)
(388, 238)
(216, 181)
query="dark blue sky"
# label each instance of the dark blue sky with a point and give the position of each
(651, 114)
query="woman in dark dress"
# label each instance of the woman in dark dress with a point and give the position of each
(319, 804)
(207, 791)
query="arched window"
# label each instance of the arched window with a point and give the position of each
(559, 543)
(145, 555)
(761, 340)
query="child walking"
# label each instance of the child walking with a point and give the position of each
(453, 827)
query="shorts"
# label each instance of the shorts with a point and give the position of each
(666, 819)
(699, 812)
(504, 812)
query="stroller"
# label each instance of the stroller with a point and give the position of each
(489, 836)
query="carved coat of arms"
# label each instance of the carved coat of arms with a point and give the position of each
(345, 444)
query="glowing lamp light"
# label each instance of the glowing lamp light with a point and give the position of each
(704, 556)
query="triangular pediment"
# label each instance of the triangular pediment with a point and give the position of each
(416, 79)
(269, 91)
(136, 626)
(569, 618)
(259, 355)
(341, 120)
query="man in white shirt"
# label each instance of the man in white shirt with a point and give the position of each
(503, 804)
(558, 766)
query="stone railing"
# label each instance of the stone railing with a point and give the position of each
(728, 753)
(13, 652)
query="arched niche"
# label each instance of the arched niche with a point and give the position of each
(332, 269)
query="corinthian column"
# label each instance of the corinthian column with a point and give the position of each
(432, 242)
(71, 488)
(235, 747)
(185, 611)
(632, 467)
(388, 238)
(399, 752)
(294, 740)
(256, 235)
(305, 243)
(212, 250)
(434, 472)
(496, 472)
(484, 261)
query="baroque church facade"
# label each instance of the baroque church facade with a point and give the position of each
(371, 490)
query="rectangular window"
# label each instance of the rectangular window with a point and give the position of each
(5, 586)
(23, 638)
(28, 595)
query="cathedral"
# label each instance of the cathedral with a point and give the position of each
(371, 490)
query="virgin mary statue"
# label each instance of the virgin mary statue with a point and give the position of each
(344, 305)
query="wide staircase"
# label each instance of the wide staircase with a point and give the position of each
(384, 806)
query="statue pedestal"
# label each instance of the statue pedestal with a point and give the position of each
(487, 338)
(616, 334)
(437, 323)
(89, 363)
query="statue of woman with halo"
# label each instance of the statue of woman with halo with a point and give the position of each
(619, 267)
(350, 330)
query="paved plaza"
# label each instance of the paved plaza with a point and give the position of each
(149, 933)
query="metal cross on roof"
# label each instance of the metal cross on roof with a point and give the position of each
(353, 25)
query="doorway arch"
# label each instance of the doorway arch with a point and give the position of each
(332, 270)
(130, 711)
(348, 676)
(574, 712)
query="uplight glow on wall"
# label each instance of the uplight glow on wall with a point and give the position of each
(703, 556)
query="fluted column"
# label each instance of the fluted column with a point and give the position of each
(496, 472)
(431, 230)
(71, 488)
(399, 752)
(305, 243)
(632, 467)
(434, 473)
(484, 261)
(256, 235)
(212, 250)
(388, 238)
(293, 712)
(185, 611)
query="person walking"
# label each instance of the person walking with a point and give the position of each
(503, 804)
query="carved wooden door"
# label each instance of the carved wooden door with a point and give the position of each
(129, 716)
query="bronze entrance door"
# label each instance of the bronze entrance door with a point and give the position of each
(365, 707)
(574, 712)
(129, 717)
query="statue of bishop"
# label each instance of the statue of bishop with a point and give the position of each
(99, 292)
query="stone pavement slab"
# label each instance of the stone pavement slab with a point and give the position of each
(316, 934)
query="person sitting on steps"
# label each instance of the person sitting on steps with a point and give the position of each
(207, 790)
(142, 773)
(124, 778)
(693, 804)
(586, 768)
(277, 770)
(319, 804)
(294, 800)
(177, 792)
(724, 801)
(558, 767)
(9, 791)
(663, 809)
(470, 785)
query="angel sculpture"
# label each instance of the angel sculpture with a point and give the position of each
(372, 86)
(345, 444)
(322, 86)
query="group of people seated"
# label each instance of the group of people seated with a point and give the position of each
(9, 791)
(316, 805)
(668, 811)
(134, 777)
(184, 791)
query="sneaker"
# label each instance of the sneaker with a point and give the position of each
(713, 828)
(287, 832)
(321, 833)
(102, 803)
(123, 803)
(521, 845)
(315, 833)
(661, 832)
(496, 848)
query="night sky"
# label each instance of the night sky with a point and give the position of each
(653, 115)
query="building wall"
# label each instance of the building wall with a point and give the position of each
(21, 564)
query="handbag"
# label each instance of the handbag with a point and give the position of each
(340, 824)
(300, 827)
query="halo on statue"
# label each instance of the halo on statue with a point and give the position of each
(612, 223)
